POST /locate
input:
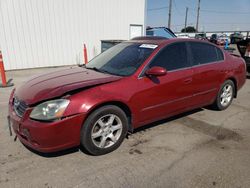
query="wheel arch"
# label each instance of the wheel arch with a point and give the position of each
(235, 85)
(119, 104)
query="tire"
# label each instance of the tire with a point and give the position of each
(225, 95)
(104, 130)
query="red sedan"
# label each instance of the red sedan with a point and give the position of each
(131, 84)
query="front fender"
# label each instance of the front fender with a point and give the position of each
(87, 100)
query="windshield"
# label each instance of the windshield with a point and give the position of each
(123, 59)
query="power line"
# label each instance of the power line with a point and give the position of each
(222, 23)
(218, 12)
(180, 26)
(159, 8)
(223, 12)
(175, 6)
(188, 24)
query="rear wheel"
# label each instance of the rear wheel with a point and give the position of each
(225, 95)
(104, 130)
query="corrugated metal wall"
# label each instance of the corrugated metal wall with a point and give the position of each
(39, 33)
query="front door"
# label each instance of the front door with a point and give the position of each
(162, 96)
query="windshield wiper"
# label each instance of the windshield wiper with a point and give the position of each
(102, 71)
(97, 70)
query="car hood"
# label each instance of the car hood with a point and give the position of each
(56, 84)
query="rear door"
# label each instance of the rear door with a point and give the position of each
(159, 97)
(208, 71)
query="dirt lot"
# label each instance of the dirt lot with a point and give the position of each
(203, 148)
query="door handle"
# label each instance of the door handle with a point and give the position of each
(188, 81)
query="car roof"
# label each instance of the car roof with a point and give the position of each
(161, 40)
(149, 39)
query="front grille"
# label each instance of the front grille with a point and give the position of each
(19, 107)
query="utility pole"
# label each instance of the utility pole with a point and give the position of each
(186, 19)
(169, 13)
(198, 15)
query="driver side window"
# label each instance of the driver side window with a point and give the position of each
(172, 57)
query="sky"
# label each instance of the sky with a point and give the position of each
(215, 15)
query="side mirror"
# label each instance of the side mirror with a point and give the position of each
(156, 71)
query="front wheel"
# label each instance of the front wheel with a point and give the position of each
(225, 95)
(104, 130)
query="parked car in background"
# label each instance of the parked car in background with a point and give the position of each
(236, 37)
(219, 39)
(223, 39)
(183, 36)
(214, 38)
(201, 36)
(244, 49)
(129, 85)
(160, 32)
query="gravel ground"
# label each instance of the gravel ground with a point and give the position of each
(202, 148)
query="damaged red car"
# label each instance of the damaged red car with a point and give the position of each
(130, 85)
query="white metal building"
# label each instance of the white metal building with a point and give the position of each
(43, 33)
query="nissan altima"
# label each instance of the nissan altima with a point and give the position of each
(132, 84)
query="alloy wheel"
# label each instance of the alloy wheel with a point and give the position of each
(226, 95)
(106, 131)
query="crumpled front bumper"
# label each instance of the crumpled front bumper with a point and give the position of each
(47, 136)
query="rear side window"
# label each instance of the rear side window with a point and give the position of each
(172, 57)
(203, 53)
(220, 55)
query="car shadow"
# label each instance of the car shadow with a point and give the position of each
(173, 118)
(54, 154)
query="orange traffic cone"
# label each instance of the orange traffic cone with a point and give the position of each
(85, 55)
(3, 76)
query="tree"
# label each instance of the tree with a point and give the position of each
(189, 29)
